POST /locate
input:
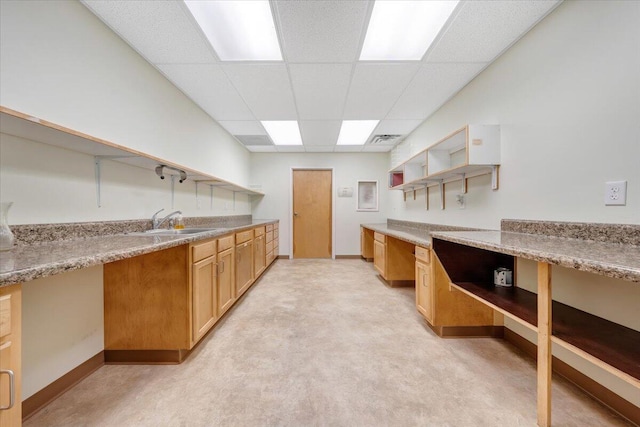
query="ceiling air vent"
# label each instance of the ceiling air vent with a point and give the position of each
(385, 139)
(248, 140)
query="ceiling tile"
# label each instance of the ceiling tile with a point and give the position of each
(396, 127)
(320, 89)
(321, 31)
(377, 148)
(208, 86)
(161, 31)
(320, 132)
(262, 148)
(433, 85)
(319, 148)
(483, 29)
(348, 148)
(376, 87)
(290, 148)
(265, 88)
(243, 127)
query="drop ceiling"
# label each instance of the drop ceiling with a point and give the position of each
(321, 81)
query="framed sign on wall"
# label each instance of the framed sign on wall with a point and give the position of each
(367, 196)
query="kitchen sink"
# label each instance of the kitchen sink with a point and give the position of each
(175, 232)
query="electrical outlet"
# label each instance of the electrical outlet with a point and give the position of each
(461, 201)
(615, 193)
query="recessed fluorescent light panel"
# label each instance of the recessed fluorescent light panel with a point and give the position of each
(356, 132)
(238, 30)
(283, 132)
(404, 30)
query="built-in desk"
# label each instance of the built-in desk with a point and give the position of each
(469, 259)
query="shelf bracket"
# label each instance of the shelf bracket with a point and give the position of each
(495, 177)
(426, 196)
(173, 187)
(211, 194)
(97, 162)
(414, 194)
(463, 188)
(441, 187)
(404, 194)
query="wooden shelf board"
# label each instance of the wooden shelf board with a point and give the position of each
(25, 126)
(614, 344)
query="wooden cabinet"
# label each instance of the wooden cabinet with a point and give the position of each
(259, 255)
(10, 356)
(244, 264)
(204, 296)
(366, 243)
(424, 286)
(157, 306)
(226, 280)
(393, 259)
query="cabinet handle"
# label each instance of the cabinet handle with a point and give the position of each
(12, 389)
(221, 271)
(424, 280)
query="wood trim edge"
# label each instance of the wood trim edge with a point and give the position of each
(42, 398)
(144, 357)
(348, 256)
(594, 389)
(468, 331)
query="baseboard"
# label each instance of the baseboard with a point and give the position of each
(145, 357)
(468, 331)
(397, 283)
(38, 401)
(596, 390)
(348, 257)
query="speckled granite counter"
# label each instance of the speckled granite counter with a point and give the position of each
(607, 259)
(413, 232)
(28, 262)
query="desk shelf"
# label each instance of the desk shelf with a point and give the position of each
(609, 342)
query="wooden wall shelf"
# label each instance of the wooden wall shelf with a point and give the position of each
(471, 151)
(25, 126)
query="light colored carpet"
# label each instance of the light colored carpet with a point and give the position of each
(325, 343)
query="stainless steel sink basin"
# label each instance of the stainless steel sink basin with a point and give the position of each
(172, 232)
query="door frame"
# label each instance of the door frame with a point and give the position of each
(333, 208)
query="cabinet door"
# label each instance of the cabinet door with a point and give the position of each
(226, 279)
(259, 255)
(424, 291)
(204, 297)
(244, 267)
(10, 359)
(379, 257)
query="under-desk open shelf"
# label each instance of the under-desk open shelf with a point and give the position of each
(471, 270)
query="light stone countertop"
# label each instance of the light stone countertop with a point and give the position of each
(411, 235)
(29, 262)
(608, 259)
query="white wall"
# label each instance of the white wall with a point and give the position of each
(48, 184)
(60, 63)
(62, 325)
(567, 99)
(273, 172)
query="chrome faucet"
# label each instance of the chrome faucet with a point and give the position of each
(156, 223)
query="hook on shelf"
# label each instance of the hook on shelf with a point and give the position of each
(160, 172)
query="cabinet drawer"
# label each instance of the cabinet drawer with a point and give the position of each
(5, 315)
(379, 237)
(258, 231)
(269, 247)
(244, 236)
(269, 227)
(200, 251)
(423, 254)
(225, 243)
(269, 236)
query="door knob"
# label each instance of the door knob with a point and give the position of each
(295, 214)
